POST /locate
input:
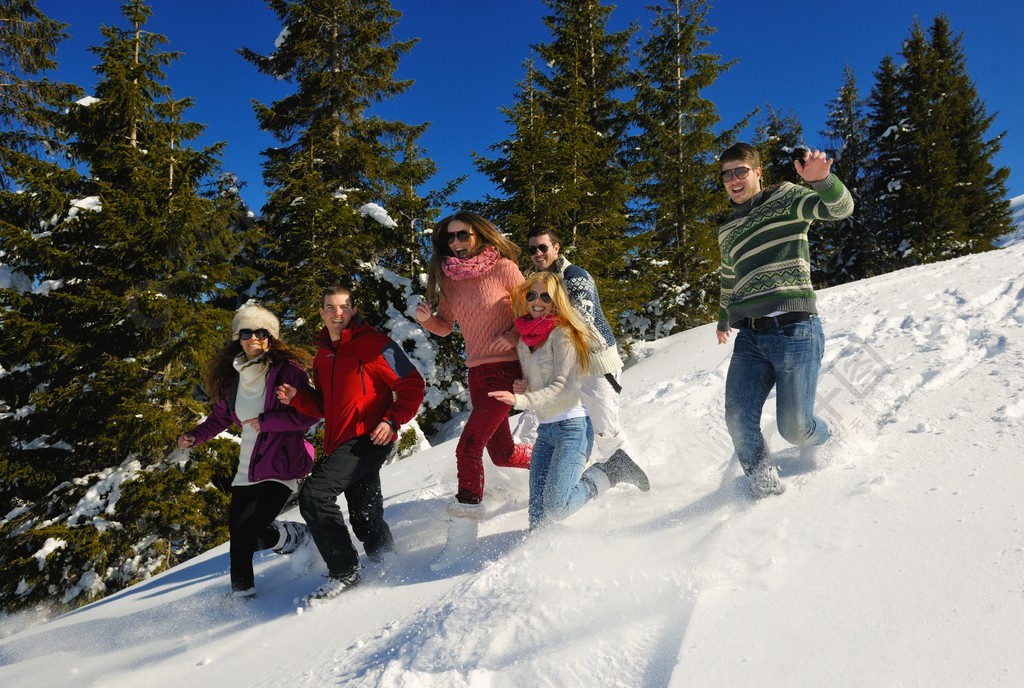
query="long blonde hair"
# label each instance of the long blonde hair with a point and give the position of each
(580, 334)
(488, 235)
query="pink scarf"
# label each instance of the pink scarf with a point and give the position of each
(535, 331)
(468, 268)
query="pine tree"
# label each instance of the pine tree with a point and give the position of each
(675, 156)
(777, 136)
(342, 174)
(573, 128)
(106, 356)
(524, 169)
(889, 150)
(946, 196)
(844, 251)
(28, 102)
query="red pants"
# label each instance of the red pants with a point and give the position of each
(487, 427)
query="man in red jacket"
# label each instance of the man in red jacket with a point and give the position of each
(365, 388)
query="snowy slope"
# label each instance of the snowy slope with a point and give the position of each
(901, 564)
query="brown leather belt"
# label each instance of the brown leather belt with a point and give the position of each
(773, 322)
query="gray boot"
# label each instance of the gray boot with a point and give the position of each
(764, 480)
(622, 469)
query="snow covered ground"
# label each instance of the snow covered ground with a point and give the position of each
(900, 564)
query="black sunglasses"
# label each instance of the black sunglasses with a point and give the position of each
(738, 172)
(462, 235)
(531, 296)
(259, 334)
(539, 248)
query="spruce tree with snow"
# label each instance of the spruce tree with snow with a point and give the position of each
(343, 180)
(844, 251)
(106, 346)
(777, 136)
(944, 195)
(524, 170)
(887, 129)
(577, 140)
(674, 154)
(34, 187)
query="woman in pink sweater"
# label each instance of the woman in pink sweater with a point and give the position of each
(471, 273)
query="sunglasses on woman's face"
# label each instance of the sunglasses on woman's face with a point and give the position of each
(532, 296)
(259, 334)
(462, 235)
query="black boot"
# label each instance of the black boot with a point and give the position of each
(622, 469)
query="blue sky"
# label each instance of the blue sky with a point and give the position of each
(470, 53)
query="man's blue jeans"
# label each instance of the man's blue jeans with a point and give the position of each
(787, 358)
(559, 457)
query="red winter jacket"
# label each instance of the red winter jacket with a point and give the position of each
(360, 380)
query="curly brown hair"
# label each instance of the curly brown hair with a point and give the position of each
(220, 371)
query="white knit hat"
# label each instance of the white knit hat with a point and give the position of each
(255, 318)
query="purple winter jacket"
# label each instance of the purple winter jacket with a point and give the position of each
(281, 451)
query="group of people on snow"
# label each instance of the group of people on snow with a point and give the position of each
(540, 344)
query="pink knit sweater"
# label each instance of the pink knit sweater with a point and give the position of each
(480, 305)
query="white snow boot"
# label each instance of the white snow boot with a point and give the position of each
(462, 532)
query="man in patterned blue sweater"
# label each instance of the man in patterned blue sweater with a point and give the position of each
(600, 390)
(767, 294)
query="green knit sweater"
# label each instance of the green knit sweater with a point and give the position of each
(766, 260)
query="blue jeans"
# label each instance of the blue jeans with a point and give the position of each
(789, 359)
(559, 456)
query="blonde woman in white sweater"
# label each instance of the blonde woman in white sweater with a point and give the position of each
(554, 349)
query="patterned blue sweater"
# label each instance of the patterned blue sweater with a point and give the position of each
(584, 297)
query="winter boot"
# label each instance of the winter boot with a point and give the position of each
(334, 586)
(521, 456)
(621, 469)
(764, 480)
(462, 532)
(244, 593)
(291, 536)
(827, 454)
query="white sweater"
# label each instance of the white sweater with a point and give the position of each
(552, 376)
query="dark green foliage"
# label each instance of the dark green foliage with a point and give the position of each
(565, 165)
(104, 338)
(776, 138)
(97, 534)
(674, 157)
(845, 251)
(939, 194)
(29, 102)
(336, 157)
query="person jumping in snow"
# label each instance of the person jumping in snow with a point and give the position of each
(767, 294)
(274, 453)
(599, 389)
(365, 388)
(471, 273)
(555, 351)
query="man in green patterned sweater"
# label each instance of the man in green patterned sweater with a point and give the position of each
(767, 294)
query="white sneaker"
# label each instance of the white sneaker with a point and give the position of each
(246, 594)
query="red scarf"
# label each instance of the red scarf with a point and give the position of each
(467, 268)
(535, 331)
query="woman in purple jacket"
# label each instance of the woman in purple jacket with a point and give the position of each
(274, 453)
